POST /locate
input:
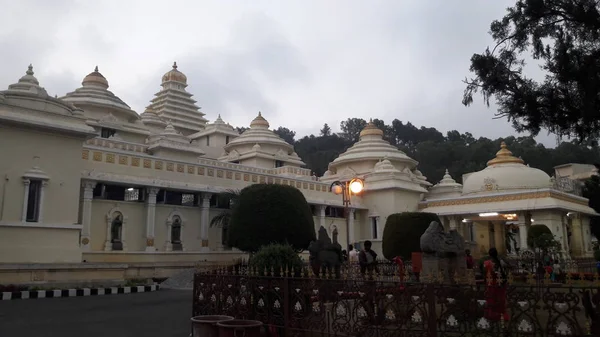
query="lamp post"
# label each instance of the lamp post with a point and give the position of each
(346, 189)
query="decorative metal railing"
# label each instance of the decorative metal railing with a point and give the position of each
(396, 305)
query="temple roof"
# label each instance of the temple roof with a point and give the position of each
(174, 103)
(219, 126)
(94, 91)
(505, 172)
(372, 146)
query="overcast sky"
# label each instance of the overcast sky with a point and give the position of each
(302, 63)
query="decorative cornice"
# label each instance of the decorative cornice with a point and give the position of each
(505, 197)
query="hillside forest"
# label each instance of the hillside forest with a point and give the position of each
(460, 153)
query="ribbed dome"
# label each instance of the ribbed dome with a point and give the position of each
(259, 122)
(259, 133)
(505, 173)
(94, 91)
(174, 75)
(371, 146)
(95, 79)
(371, 129)
(447, 187)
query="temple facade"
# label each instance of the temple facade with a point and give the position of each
(87, 179)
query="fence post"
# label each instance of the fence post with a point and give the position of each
(287, 304)
(432, 317)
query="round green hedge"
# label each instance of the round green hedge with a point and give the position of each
(276, 257)
(402, 233)
(534, 232)
(267, 213)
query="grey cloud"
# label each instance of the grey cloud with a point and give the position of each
(230, 81)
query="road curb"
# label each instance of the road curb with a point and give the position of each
(60, 293)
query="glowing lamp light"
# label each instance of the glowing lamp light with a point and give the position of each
(356, 186)
(337, 189)
(488, 214)
(130, 189)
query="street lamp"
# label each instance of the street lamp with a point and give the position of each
(347, 189)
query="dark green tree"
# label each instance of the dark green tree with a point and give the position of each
(325, 131)
(402, 233)
(286, 134)
(267, 214)
(352, 127)
(564, 36)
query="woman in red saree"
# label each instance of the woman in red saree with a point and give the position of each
(495, 291)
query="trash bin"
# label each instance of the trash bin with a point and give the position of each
(206, 326)
(239, 328)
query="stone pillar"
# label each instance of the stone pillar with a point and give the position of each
(351, 235)
(522, 232)
(86, 214)
(168, 243)
(577, 246)
(379, 228)
(322, 209)
(204, 221)
(151, 218)
(453, 223)
(41, 201)
(587, 236)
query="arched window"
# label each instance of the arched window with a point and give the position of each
(116, 231)
(175, 224)
(176, 232)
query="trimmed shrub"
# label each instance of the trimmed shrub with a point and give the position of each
(402, 233)
(534, 232)
(269, 213)
(278, 257)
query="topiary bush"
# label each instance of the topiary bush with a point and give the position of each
(534, 232)
(279, 257)
(270, 213)
(402, 233)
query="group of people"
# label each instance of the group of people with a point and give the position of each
(366, 258)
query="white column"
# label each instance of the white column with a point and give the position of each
(107, 243)
(351, 236)
(151, 218)
(86, 213)
(41, 201)
(25, 199)
(587, 236)
(321, 217)
(453, 223)
(204, 221)
(168, 243)
(522, 232)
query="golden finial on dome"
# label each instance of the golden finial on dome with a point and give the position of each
(174, 65)
(504, 156)
(371, 129)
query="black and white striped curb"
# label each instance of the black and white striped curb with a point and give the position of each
(34, 294)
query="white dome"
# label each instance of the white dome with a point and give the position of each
(505, 173)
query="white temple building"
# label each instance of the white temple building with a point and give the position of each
(86, 178)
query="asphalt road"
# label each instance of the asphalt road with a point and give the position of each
(164, 313)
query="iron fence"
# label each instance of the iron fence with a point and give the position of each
(398, 306)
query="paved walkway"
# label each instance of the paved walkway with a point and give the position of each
(164, 313)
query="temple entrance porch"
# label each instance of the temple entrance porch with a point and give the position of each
(507, 231)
